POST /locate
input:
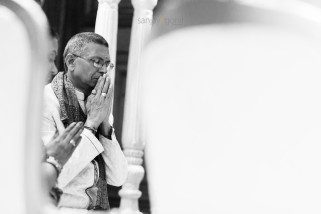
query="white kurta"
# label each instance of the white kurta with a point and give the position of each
(78, 174)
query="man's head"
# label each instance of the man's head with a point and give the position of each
(52, 55)
(86, 58)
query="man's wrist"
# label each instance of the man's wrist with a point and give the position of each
(90, 124)
(51, 160)
(106, 132)
(94, 131)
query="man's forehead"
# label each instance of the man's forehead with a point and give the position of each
(94, 49)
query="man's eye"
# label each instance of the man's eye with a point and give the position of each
(97, 60)
(96, 64)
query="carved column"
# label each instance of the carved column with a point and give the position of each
(107, 26)
(133, 146)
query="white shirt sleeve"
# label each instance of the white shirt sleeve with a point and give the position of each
(116, 163)
(88, 148)
(48, 128)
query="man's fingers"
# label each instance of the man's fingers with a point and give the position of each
(77, 136)
(74, 144)
(73, 132)
(67, 130)
(110, 92)
(54, 136)
(94, 91)
(106, 85)
(100, 79)
(109, 97)
(101, 85)
(77, 140)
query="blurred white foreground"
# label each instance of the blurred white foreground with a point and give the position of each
(229, 107)
(232, 110)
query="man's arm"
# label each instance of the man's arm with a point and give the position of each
(116, 163)
(59, 151)
(98, 108)
(88, 148)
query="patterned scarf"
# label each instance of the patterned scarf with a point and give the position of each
(70, 111)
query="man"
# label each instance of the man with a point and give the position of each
(53, 50)
(56, 154)
(84, 93)
(52, 56)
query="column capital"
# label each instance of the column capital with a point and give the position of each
(111, 2)
(144, 4)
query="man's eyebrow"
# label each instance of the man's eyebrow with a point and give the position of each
(102, 58)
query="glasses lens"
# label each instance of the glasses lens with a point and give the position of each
(111, 65)
(97, 65)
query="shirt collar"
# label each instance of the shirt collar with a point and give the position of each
(80, 95)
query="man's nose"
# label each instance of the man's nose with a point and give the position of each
(102, 70)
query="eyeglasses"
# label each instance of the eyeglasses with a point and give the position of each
(98, 62)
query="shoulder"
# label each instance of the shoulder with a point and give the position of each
(50, 100)
(51, 109)
(49, 95)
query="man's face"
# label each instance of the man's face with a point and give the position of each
(85, 74)
(52, 56)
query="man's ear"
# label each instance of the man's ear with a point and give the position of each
(70, 62)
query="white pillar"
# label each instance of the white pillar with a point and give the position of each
(107, 26)
(23, 27)
(133, 146)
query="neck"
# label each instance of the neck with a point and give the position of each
(78, 86)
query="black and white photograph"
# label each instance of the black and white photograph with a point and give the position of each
(160, 106)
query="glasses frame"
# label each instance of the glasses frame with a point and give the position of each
(109, 66)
